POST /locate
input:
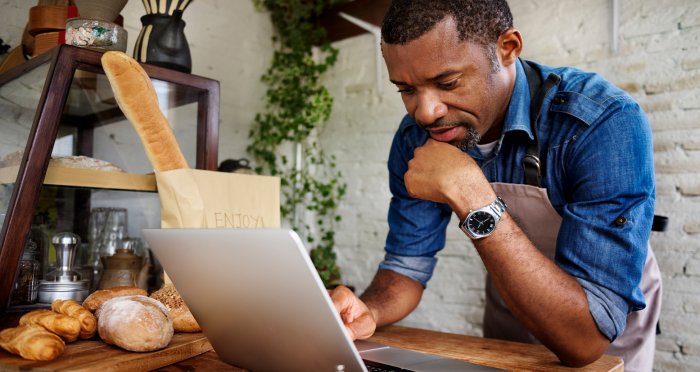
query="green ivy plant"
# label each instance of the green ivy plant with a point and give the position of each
(296, 106)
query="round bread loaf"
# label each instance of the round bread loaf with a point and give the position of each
(183, 321)
(135, 323)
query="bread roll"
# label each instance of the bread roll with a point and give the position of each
(31, 341)
(66, 327)
(135, 323)
(88, 322)
(183, 321)
(138, 101)
(97, 298)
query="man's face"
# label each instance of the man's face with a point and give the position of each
(450, 86)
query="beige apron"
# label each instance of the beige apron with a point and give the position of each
(531, 209)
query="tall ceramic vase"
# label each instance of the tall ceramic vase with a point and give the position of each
(162, 39)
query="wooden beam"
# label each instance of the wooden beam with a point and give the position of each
(338, 28)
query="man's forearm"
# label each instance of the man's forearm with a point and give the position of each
(391, 296)
(546, 299)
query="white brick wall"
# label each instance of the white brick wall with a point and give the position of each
(658, 63)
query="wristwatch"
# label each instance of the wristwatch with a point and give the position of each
(482, 222)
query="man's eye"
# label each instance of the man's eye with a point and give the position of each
(449, 85)
(405, 90)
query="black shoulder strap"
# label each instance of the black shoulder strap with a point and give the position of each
(538, 91)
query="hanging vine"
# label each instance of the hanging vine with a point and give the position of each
(296, 105)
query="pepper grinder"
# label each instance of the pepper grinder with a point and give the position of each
(64, 283)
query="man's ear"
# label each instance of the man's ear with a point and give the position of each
(509, 46)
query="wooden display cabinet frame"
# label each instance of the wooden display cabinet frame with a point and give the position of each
(64, 60)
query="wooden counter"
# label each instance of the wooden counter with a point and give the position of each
(512, 356)
(95, 355)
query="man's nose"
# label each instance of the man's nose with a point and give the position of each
(429, 108)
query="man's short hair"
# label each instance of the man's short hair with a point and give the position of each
(479, 21)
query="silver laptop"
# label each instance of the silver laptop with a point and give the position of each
(263, 307)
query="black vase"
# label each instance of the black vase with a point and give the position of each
(162, 42)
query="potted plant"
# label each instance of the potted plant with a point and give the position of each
(296, 105)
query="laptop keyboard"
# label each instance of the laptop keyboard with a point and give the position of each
(381, 367)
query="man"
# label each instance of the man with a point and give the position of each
(549, 170)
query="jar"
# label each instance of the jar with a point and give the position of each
(27, 283)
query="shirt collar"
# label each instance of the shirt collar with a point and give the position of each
(518, 114)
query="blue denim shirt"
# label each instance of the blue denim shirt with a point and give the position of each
(596, 147)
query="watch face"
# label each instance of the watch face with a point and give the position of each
(481, 223)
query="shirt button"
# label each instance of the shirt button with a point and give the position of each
(620, 221)
(558, 100)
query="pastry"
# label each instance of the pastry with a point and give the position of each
(84, 162)
(97, 298)
(183, 321)
(88, 323)
(135, 323)
(31, 341)
(138, 101)
(66, 327)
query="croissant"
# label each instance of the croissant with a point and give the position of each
(67, 327)
(88, 322)
(31, 341)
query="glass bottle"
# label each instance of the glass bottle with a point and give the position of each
(27, 283)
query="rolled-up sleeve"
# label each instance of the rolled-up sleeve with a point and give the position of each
(418, 268)
(603, 239)
(416, 227)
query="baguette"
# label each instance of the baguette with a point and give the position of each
(66, 327)
(31, 341)
(100, 296)
(88, 322)
(138, 101)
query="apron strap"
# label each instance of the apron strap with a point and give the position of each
(538, 91)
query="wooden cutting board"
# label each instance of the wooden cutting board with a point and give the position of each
(95, 355)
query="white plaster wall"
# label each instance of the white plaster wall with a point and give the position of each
(229, 41)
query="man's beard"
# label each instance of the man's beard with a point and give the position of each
(470, 140)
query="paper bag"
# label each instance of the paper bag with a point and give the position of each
(208, 199)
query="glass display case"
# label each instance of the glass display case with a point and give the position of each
(67, 149)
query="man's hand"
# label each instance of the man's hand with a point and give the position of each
(356, 316)
(442, 173)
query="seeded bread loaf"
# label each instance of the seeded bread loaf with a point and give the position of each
(183, 320)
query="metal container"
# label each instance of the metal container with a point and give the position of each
(72, 290)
